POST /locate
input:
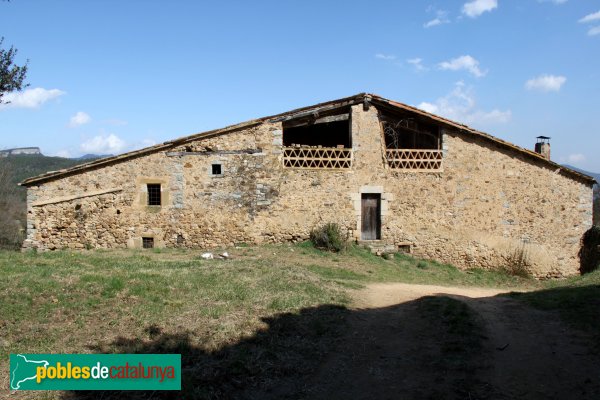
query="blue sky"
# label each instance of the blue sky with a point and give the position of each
(112, 76)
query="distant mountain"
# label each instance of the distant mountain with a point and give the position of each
(19, 151)
(592, 174)
(89, 157)
(23, 166)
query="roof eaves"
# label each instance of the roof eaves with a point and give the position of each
(132, 154)
(186, 139)
(297, 113)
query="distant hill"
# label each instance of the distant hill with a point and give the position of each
(592, 174)
(89, 157)
(596, 191)
(23, 166)
(16, 166)
(20, 150)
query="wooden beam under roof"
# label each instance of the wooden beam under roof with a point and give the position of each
(323, 120)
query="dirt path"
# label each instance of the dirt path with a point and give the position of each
(392, 350)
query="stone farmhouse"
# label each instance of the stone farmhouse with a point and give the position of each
(386, 172)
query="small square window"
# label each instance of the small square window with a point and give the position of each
(147, 242)
(217, 169)
(154, 194)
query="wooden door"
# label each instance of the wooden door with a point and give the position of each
(371, 216)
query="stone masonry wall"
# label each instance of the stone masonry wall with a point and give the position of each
(488, 207)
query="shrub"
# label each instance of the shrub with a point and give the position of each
(589, 253)
(518, 262)
(328, 237)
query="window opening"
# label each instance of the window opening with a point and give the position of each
(154, 194)
(411, 144)
(147, 242)
(217, 169)
(318, 142)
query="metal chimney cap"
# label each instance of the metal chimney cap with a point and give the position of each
(543, 139)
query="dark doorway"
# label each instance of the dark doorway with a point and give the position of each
(371, 216)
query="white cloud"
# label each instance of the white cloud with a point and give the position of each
(573, 159)
(475, 8)
(546, 83)
(30, 98)
(81, 118)
(595, 30)
(429, 107)
(490, 117)
(417, 63)
(460, 105)
(441, 17)
(576, 158)
(590, 18)
(434, 22)
(62, 153)
(463, 62)
(103, 144)
(385, 56)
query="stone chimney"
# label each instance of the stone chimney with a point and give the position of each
(543, 146)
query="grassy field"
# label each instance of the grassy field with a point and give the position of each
(268, 312)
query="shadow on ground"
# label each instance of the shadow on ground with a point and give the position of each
(434, 347)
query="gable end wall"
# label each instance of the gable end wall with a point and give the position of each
(488, 207)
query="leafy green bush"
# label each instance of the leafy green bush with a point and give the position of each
(328, 237)
(589, 253)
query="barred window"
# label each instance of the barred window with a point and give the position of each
(147, 242)
(154, 194)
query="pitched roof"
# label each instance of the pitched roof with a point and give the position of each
(320, 108)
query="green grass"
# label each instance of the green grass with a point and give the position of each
(132, 289)
(358, 265)
(282, 301)
(125, 291)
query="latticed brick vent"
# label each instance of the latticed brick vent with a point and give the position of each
(418, 160)
(327, 158)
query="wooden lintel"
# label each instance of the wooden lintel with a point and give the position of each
(74, 197)
(309, 113)
(322, 120)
